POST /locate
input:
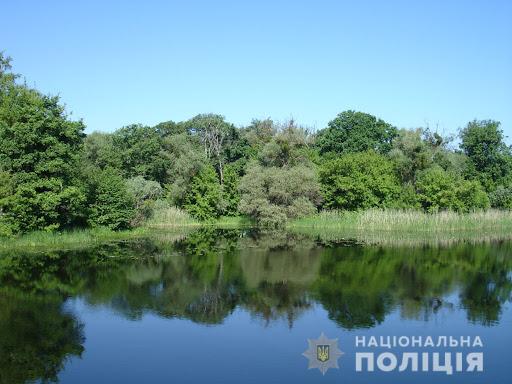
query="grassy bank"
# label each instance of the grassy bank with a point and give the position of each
(406, 220)
(407, 227)
(385, 227)
(166, 225)
(68, 239)
(172, 217)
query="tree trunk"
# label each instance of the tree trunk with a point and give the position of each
(221, 172)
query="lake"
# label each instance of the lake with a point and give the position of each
(238, 306)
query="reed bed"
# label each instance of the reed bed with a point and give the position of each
(408, 220)
(68, 239)
(407, 227)
(170, 217)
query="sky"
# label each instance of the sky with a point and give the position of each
(412, 63)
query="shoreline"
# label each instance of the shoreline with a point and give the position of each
(372, 227)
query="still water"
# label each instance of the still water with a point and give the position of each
(236, 306)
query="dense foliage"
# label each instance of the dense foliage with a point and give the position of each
(354, 131)
(359, 180)
(39, 150)
(53, 176)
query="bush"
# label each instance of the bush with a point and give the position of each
(204, 198)
(501, 197)
(271, 195)
(441, 190)
(472, 195)
(407, 198)
(354, 131)
(359, 181)
(144, 193)
(39, 149)
(111, 205)
(230, 194)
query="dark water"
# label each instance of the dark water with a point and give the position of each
(238, 307)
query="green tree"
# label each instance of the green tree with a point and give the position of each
(230, 193)
(110, 203)
(203, 200)
(213, 132)
(6, 191)
(441, 190)
(39, 148)
(170, 128)
(259, 132)
(291, 145)
(416, 150)
(472, 195)
(491, 159)
(144, 193)
(501, 197)
(271, 195)
(139, 148)
(354, 131)
(186, 159)
(359, 181)
(99, 151)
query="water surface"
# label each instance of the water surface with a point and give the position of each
(231, 306)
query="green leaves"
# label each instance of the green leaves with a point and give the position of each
(203, 200)
(359, 181)
(271, 195)
(111, 205)
(39, 148)
(52, 178)
(354, 131)
(491, 159)
(440, 190)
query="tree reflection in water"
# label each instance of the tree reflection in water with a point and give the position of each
(210, 273)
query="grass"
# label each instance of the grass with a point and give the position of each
(166, 225)
(407, 227)
(408, 220)
(68, 239)
(385, 227)
(171, 217)
(175, 217)
(232, 222)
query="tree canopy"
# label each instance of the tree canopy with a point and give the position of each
(54, 177)
(39, 149)
(353, 131)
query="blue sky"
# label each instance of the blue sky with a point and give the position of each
(412, 63)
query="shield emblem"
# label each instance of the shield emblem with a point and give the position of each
(322, 353)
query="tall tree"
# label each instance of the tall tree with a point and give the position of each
(359, 181)
(213, 131)
(111, 203)
(483, 142)
(140, 148)
(39, 148)
(354, 131)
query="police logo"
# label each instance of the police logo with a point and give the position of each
(323, 353)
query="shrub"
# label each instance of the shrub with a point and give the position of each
(230, 194)
(270, 195)
(501, 197)
(441, 190)
(144, 193)
(204, 198)
(111, 204)
(359, 181)
(354, 131)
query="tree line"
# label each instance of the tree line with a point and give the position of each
(55, 177)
